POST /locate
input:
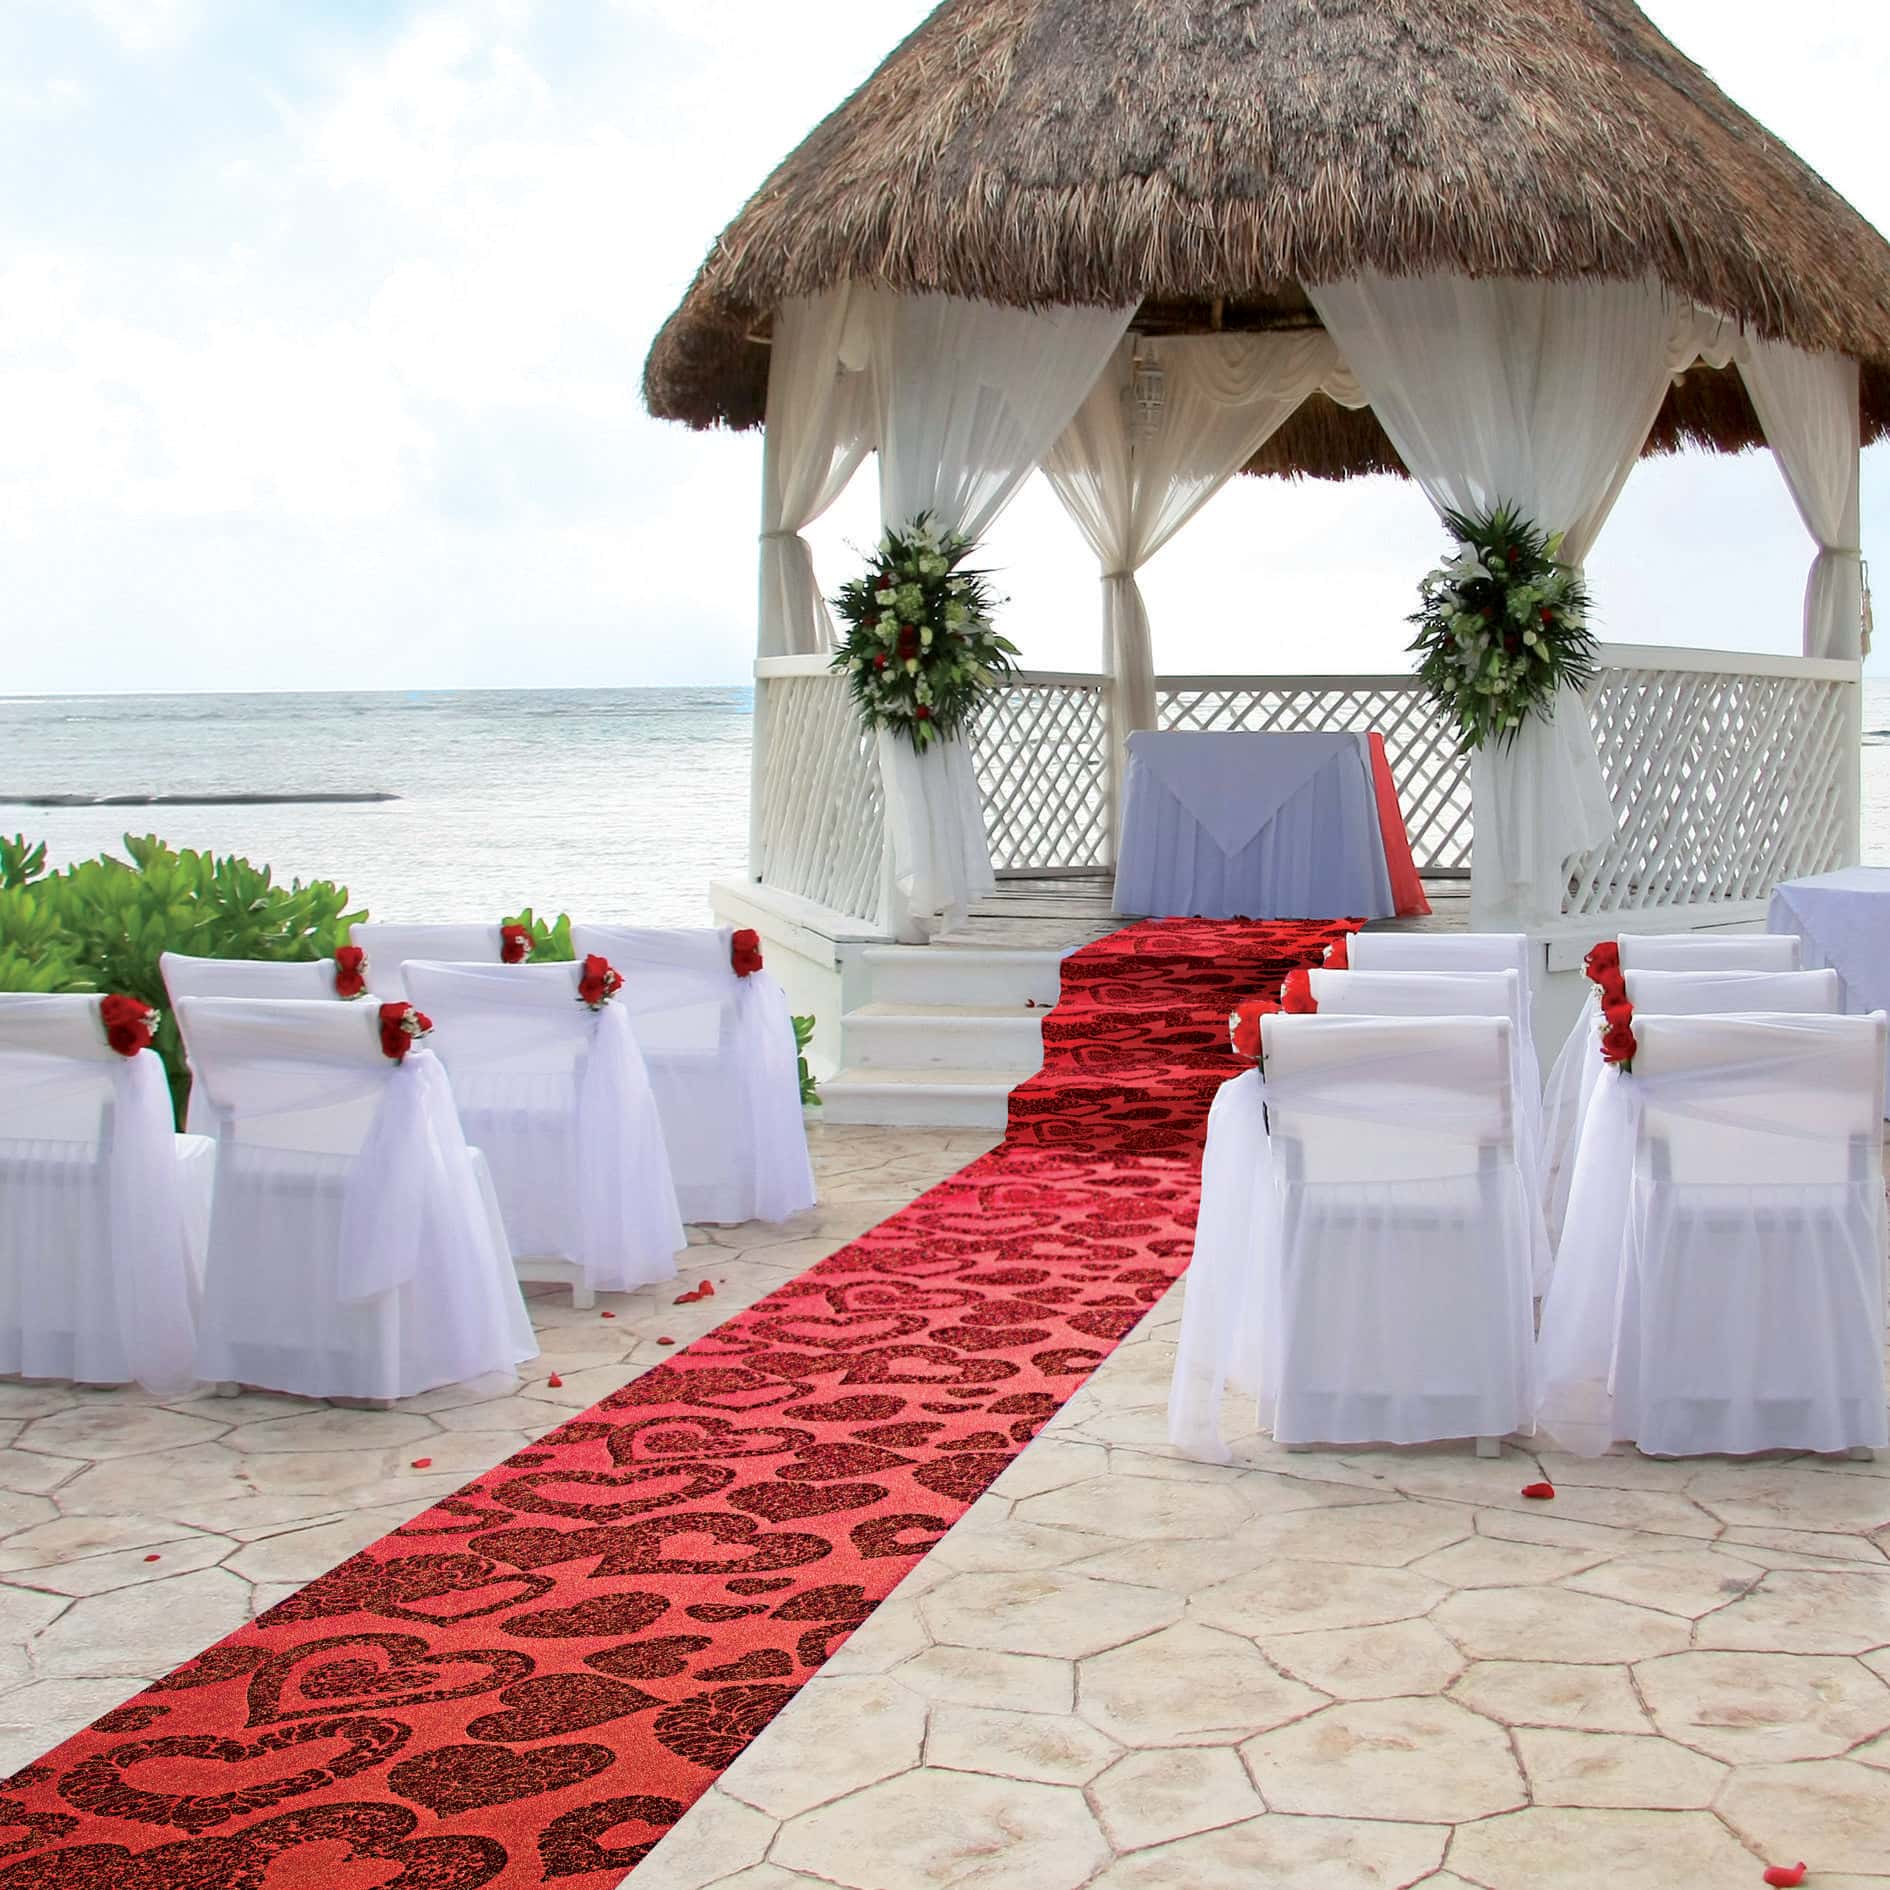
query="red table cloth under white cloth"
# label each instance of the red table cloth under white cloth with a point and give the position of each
(1231, 824)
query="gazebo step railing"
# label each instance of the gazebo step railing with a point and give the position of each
(1728, 773)
(817, 825)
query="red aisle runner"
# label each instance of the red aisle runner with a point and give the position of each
(531, 1682)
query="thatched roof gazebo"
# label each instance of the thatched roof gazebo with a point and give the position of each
(1146, 244)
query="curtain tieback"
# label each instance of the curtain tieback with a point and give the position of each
(1129, 573)
(766, 537)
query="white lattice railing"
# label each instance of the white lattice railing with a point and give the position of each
(1728, 773)
(1041, 750)
(817, 823)
(1433, 780)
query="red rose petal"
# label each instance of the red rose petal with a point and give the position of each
(706, 1290)
(422, 1463)
(666, 1341)
(153, 1558)
(1541, 1492)
(1785, 1875)
(607, 1315)
(554, 1382)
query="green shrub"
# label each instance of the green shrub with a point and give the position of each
(20, 861)
(102, 925)
(803, 1036)
(551, 944)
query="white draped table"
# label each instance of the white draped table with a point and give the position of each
(1225, 825)
(1844, 920)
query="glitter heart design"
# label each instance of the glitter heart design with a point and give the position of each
(405, 1675)
(100, 1784)
(559, 1703)
(456, 1778)
(573, 1846)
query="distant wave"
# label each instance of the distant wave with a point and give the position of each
(189, 800)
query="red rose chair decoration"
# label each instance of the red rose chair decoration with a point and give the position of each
(744, 953)
(1243, 1028)
(598, 983)
(515, 944)
(401, 1028)
(130, 1023)
(1296, 994)
(350, 971)
(1603, 966)
(1338, 958)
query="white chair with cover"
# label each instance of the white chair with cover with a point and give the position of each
(721, 1057)
(390, 948)
(103, 1206)
(1691, 990)
(1459, 994)
(307, 980)
(1361, 1262)
(557, 1098)
(352, 1250)
(1446, 952)
(1720, 1286)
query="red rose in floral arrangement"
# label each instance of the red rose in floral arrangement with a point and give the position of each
(401, 1028)
(1296, 994)
(1338, 958)
(598, 983)
(129, 1022)
(744, 952)
(1602, 959)
(515, 944)
(1617, 1040)
(1243, 1028)
(350, 971)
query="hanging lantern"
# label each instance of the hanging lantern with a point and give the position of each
(1144, 397)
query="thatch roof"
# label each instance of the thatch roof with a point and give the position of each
(1205, 158)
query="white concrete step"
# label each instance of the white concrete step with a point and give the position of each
(929, 1098)
(950, 1036)
(941, 974)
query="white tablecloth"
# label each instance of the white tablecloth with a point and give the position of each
(1225, 825)
(1844, 920)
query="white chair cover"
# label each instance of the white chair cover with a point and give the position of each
(389, 948)
(1361, 1262)
(721, 1056)
(1571, 1076)
(96, 1267)
(351, 1253)
(1720, 1285)
(1461, 994)
(310, 980)
(557, 1098)
(1445, 951)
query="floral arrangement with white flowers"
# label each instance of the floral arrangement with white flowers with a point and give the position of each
(1501, 627)
(918, 649)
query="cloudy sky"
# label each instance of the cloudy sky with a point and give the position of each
(321, 323)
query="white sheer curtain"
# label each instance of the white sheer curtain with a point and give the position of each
(1808, 405)
(1226, 395)
(969, 398)
(1539, 395)
(820, 416)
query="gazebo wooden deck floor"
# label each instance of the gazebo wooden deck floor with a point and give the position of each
(1061, 912)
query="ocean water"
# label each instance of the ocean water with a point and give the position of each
(612, 804)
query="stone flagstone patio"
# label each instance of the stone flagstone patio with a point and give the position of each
(1121, 1670)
